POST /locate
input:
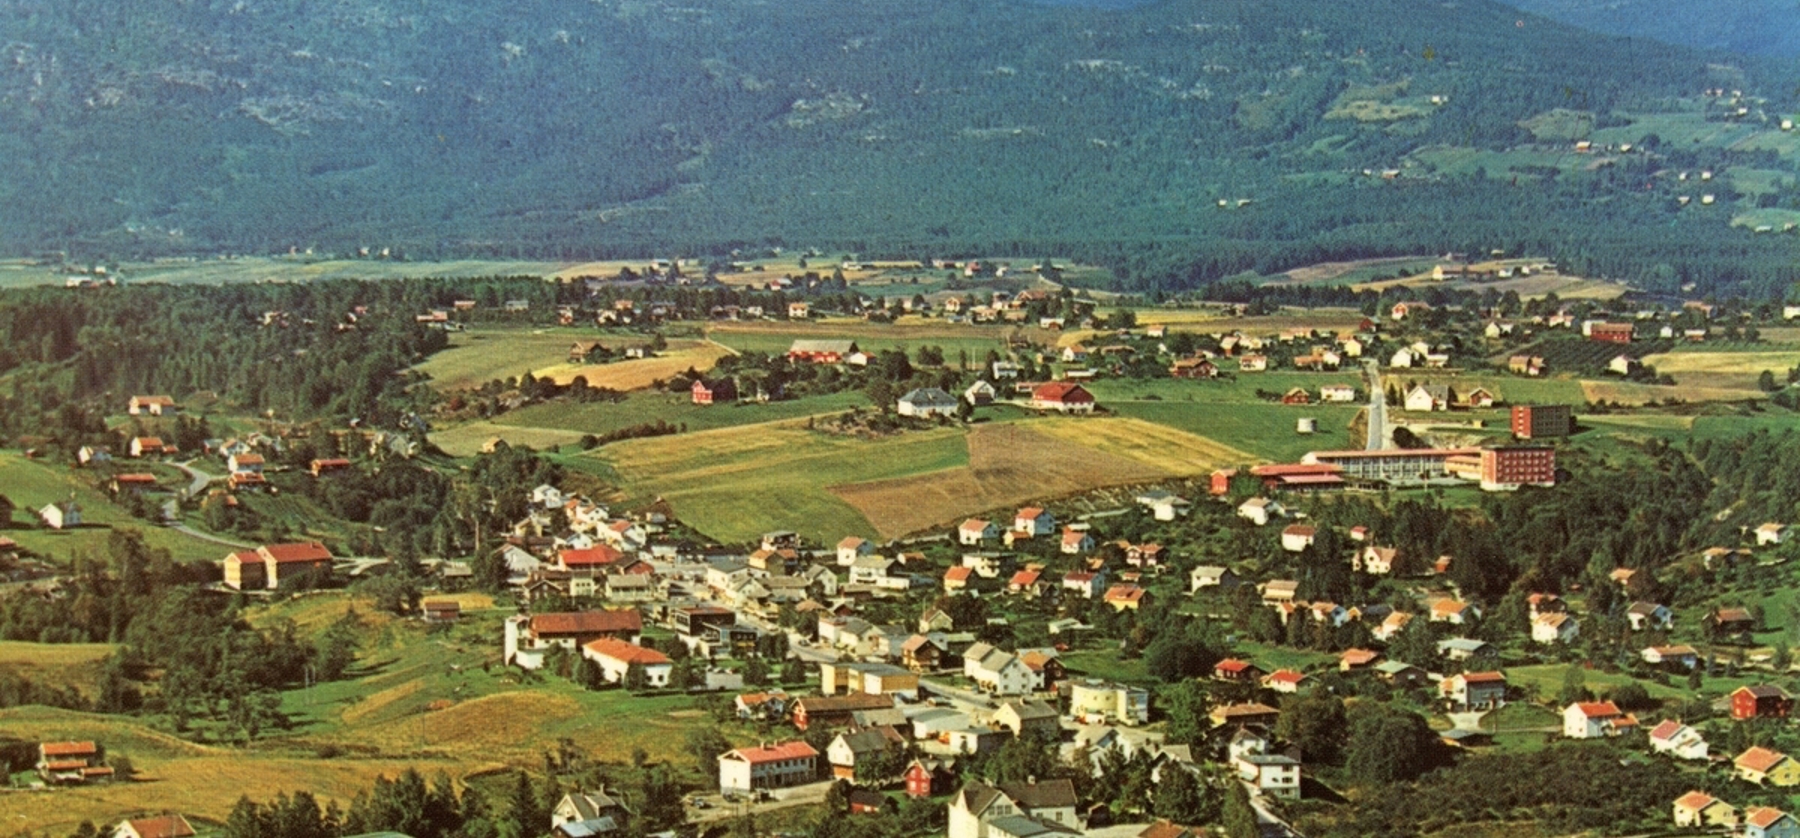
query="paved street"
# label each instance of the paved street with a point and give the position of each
(1378, 429)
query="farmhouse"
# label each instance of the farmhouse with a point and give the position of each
(1062, 397)
(926, 402)
(274, 566)
(70, 762)
(160, 826)
(1194, 368)
(1762, 701)
(1609, 332)
(821, 351)
(527, 637)
(151, 405)
(1596, 719)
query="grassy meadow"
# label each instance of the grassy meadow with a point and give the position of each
(32, 484)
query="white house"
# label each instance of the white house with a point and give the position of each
(1771, 534)
(1678, 740)
(1297, 537)
(980, 393)
(1428, 398)
(985, 565)
(975, 531)
(1685, 657)
(1099, 700)
(1337, 393)
(1210, 576)
(1596, 719)
(870, 570)
(926, 402)
(1402, 359)
(851, 549)
(1375, 560)
(1258, 511)
(616, 658)
(61, 516)
(768, 766)
(1555, 628)
(1042, 809)
(996, 671)
(1034, 521)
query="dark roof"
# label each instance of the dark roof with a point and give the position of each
(1048, 794)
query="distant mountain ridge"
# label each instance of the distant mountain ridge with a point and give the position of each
(1178, 141)
(1769, 28)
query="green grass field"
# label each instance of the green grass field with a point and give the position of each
(55, 664)
(478, 356)
(675, 408)
(32, 484)
(1266, 430)
(734, 484)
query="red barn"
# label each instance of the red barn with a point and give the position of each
(821, 351)
(1760, 702)
(1063, 397)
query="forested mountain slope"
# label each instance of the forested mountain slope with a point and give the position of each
(1753, 27)
(918, 127)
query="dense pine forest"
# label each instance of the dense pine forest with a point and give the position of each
(1177, 142)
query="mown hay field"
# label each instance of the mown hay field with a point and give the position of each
(467, 440)
(674, 408)
(736, 483)
(1726, 370)
(1008, 463)
(479, 356)
(1631, 393)
(639, 373)
(59, 665)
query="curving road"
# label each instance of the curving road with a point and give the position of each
(197, 483)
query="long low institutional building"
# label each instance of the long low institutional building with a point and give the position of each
(1496, 469)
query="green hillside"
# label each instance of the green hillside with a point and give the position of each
(1754, 27)
(914, 127)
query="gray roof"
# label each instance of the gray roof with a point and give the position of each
(1269, 759)
(1023, 827)
(929, 397)
(1461, 644)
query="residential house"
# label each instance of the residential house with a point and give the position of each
(1164, 506)
(996, 671)
(1075, 542)
(1682, 657)
(1297, 537)
(1768, 822)
(975, 532)
(587, 814)
(1378, 561)
(1453, 611)
(1098, 702)
(617, 657)
(957, 578)
(1258, 511)
(1296, 395)
(1356, 660)
(151, 405)
(1253, 363)
(1391, 626)
(1029, 717)
(1762, 701)
(62, 515)
(1211, 576)
(1697, 809)
(1235, 671)
(713, 391)
(862, 678)
(926, 402)
(928, 776)
(159, 826)
(1649, 615)
(1596, 719)
(527, 638)
(1765, 766)
(1728, 621)
(1279, 591)
(1274, 775)
(1285, 680)
(1555, 628)
(836, 710)
(1337, 393)
(1771, 534)
(1034, 521)
(860, 747)
(1678, 740)
(768, 766)
(1475, 690)
(1015, 810)
(145, 446)
(1248, 713)
(1125, 597)
(1402, 675)
(1086, 584)
(1428, 397)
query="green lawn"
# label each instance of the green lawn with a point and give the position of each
(1264, 429)
(1106, 664)
(1271, 658)
(674, 408)
(32, 484)
(1549, 680)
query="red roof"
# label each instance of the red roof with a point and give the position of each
(1763, 817)
(1232, 665)
(1124, 593)
(588, 622)
(1025, 577)
(1695, 801)
(69, 749)
(162, 826)
(1598, 709)
(957, 574)
(311, 551)
(136, 478)
(1668, 728)
(592, 556)
(1287, 676)
(619, 650)
(1484, 678)
(1030, 513)
(1062, 391)
(775, 753)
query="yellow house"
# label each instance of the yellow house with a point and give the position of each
(1699, 809)
(1766, 767)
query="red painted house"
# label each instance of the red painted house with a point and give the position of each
(926, 777)
(712, 392)
(1063, 397)
(1760, 702)
(1610, 332)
